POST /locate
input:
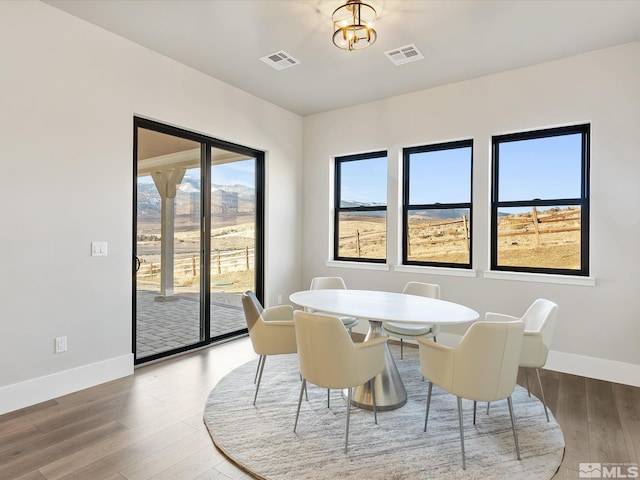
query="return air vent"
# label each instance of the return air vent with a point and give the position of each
(406, 54)
(280, 60)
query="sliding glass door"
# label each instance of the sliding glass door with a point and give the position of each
(198, 238)
(233, 236)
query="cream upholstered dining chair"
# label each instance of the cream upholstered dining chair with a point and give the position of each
(539, 325)
(411, 331)
(271, 330)
(329, 358)
(333, 283)
(483, 367)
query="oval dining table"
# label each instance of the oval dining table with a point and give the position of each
(377, 307)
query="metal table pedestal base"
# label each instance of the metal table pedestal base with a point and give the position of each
(389, 389)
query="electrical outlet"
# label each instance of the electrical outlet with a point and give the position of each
(61, 344)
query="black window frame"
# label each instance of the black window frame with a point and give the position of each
(583, 201)
(338, 209)
(407, 207)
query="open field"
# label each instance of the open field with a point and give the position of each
(363, 237)
(549, 238)
(232, 250)
(542, 238)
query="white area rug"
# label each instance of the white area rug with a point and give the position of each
(261, 440)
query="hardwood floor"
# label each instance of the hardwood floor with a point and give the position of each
(149, 425)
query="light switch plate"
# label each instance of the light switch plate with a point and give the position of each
(98, 249)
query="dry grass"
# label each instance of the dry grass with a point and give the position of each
(555, 243)
(233, 276)
(552, 241)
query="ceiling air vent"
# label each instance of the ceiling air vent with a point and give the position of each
(406, 54)
(280, 60)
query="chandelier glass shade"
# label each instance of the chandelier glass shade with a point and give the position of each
(353, 25)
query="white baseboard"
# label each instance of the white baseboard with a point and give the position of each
(30, 392)
(601, 369)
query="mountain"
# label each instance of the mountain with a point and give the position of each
(149, 199)
(434, 214)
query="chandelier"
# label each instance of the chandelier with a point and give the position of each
(353, 25)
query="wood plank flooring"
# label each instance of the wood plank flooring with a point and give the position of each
(149, 425)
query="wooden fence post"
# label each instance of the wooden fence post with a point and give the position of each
(218, 261)
(358, 243)
(246, 257)
(535, 224)
(466, 231)
(193, 265)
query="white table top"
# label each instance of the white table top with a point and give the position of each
(385, 306)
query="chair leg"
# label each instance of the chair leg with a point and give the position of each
(544, 402)
(401, 352)
(264, 358)
(464, 463)
(346, 433)
(513, 426)
(306, 395)
(373, 396)
(475, 404)
(258, 369)
(328, 398)
(302, 389)
(488, 405)
(526, 379)
(426, 417)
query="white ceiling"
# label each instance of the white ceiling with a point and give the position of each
(459, 39)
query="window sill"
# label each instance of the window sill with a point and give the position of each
(541, 278)
(452, 272)
(358, 265)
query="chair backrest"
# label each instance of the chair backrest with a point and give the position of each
(267, 338)
(326, 354)
(487, 359)
(325, 283)
(541, 317)
(252, 309)
(431, 290)
(255, 323)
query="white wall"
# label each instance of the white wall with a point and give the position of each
(599, 326)
(68, 95)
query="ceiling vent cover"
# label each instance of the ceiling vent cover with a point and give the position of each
(280, 60)
(406, 54)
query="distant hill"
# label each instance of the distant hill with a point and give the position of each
(444, 214)
(434, 214)
(149, 198)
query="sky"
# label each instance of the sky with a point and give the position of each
(233, 173)
(364, 180)
(546, 168)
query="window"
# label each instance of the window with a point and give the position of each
(437, 204)
(540, 201)
(360, 217)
